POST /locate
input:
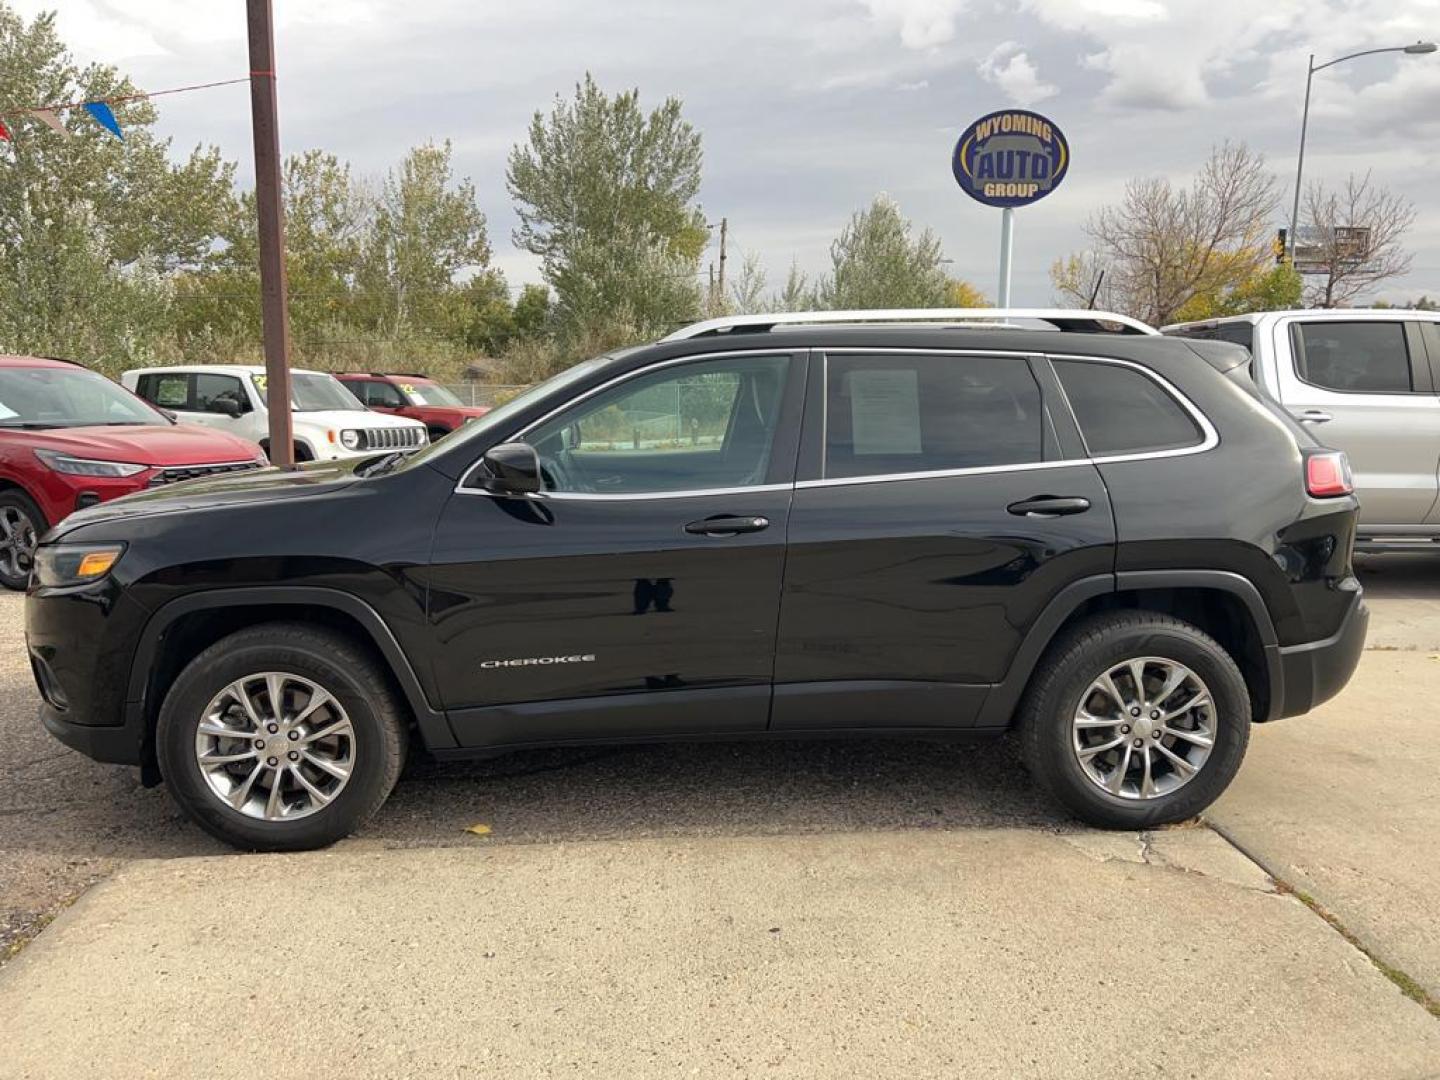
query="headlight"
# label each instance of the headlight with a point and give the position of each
(350, 440)
(74, 466)
(57, 565)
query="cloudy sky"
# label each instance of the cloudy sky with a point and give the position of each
(810, 107)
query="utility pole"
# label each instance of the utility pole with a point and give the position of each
(724, 229)
(274, 311)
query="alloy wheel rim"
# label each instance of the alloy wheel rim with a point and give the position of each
(275, 746)
(1144, 728)
(17, 542)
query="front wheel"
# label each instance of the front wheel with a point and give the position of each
(21, 525)
(1135, 719)
(281, 737)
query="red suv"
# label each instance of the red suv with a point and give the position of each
(71, 438)
(414, 396)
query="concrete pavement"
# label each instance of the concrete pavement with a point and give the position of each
(933, 916)
(986, 953)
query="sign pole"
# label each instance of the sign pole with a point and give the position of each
(1007, 247)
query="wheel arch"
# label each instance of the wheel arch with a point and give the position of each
(1224, 604)
(184, 627)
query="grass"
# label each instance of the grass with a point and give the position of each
(1406, 985)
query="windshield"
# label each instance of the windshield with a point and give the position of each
(43, 397)
(430, 394)
(312, 391)
(500, 415)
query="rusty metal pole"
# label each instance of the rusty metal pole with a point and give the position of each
(274, 310)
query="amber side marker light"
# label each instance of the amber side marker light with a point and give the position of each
(96, 563)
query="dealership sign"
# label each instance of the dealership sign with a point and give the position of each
(1010, 158)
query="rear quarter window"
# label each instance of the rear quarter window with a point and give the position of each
(1123, 411)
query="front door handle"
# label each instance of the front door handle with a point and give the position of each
(1045, 506)
(1314, 416)
(725, 525)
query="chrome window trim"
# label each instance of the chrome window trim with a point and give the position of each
(1209, 437)
(1209, 440)
(791, 353)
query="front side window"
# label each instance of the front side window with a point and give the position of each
(45, 397)
(1123, 411)
(380, 394)
(1354, 357)
(210, 389)
(930, 413)
(690, 427)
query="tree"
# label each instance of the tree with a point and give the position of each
(605, 192)
(427, 229)
(1276, 289)
(876, 263)
(1354, 239)
(962, 294)
(747, 290)
(90, 226)
(1162, 245)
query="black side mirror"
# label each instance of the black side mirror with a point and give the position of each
(226, 406)
(510, 469)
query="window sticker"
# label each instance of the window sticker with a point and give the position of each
(7, 413)
(885, 411)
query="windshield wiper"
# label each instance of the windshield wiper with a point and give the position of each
(382, 465)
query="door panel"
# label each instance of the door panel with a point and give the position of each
(943, 520)
(1364, 388)
(604, 597)
(620, 581)
(934, 580)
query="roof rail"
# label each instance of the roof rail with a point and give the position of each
(1077, 320)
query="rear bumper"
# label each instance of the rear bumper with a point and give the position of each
(1316, 671)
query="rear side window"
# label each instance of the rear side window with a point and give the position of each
(166, 391)
(928, 413)
(211, 388)
(1354, 357)
(1123, 411)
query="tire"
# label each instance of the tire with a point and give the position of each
(438, 433)
(375, 742)
(21, 525)
(1051, 737)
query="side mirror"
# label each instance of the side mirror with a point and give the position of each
(512, 468)
(225, 406)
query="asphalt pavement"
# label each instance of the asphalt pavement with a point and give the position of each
(852, 908)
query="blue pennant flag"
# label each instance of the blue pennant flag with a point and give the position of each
(105, 117)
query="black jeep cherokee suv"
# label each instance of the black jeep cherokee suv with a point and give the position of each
(756, 528)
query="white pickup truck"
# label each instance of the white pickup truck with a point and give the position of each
(1366, 382)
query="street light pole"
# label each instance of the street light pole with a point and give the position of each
(1419, 48)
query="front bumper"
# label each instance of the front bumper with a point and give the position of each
(123, 745)
(1316, 671)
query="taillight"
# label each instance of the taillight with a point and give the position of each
(1327, 473)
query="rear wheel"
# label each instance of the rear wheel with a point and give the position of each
(21, 526)
(281, 737)
(1135, 719)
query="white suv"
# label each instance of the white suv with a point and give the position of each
(329, 421)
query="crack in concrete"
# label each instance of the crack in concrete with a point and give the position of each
(1402, 981)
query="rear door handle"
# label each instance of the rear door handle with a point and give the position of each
(1044, 506)
(724, 525)
(1314, 416)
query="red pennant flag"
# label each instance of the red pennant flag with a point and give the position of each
(4, 132)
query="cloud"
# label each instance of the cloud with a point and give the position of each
(923, 24)
(1009, 68)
